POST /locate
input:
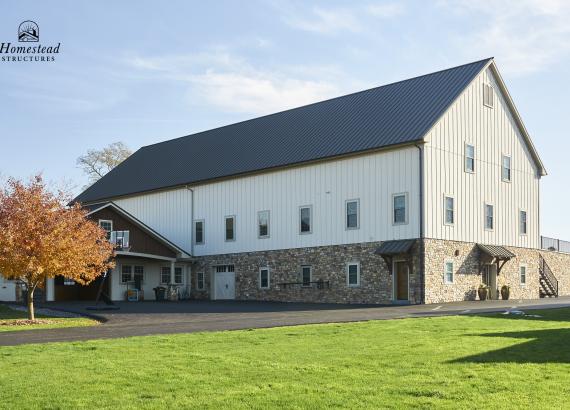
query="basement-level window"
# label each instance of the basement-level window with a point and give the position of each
(449, 204)
(230, 222)
(448, 273)
(489, 217)
(522, 223)
(264, 278)
(488, 96)
(469, 158)
(353, 274)
(523, 275)
(506, 168)
(306, 275)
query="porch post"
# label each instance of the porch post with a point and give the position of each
(172, 272)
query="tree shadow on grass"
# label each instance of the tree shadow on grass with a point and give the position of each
(541, 346)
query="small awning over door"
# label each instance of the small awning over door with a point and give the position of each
(497, 254)
(387, 250)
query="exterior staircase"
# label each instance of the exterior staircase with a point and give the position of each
(548, 283)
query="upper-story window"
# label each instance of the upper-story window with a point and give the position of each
(506, 168)
(469, 158)
(230, 222)
(263, 224)
(522, 223)
(400, 209)
(449, 204)
(352, 217)
(489, 217)
(107, 225)
(199, 233)
(488, 96)
(306, 219)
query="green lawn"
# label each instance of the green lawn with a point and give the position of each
(8, 315)
(448, 362)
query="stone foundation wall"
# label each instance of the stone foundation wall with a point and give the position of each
(468, 271)
(329, 263)
(560, 265)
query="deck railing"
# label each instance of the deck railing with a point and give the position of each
(552, 244)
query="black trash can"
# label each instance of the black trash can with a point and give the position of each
(159, 293)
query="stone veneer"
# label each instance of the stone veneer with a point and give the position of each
(329, 263)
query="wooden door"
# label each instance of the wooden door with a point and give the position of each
(402, 280)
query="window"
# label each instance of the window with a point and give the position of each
(230, 228)
(522, 222)
(178, 275)
(68, 282)
(120, 238)
(488, 95)
(506, 168)
(489, 216)
(523, 275)
(107, 226)
(469, 158)
(449, 204)
(138, 274)
(263, 224)
(200, 283)
(306, 275)
(264, 278)
(448, 273)
(352, 221)
(353, 274)
(199, 232)
(126, 273)
(305, 216)
(165, 274)
(400, 213)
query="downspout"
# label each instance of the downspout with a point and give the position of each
(422, 244)
(192, 239)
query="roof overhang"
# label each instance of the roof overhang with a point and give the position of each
(389, 249)
(498, 254)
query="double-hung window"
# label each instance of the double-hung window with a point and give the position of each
(200, 282)
(523, 275)
(448, 272)
(506, 168)
(165, 274)
(522, 223)
(199, 234)
(305, 219)
(126, 273)
(263, 224)
(230, 223)
(400, 212)
(107, 225)
(489, 217)
(488, 96)
(138, 274)
(352, 217)
(178, 275)
(306, 275)
(264, 278)
(449, 204)
(353, 274)
(469, 158)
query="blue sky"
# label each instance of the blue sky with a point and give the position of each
(147, 71)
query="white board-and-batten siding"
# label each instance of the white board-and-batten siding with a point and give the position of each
(373, 179)
(494, 133)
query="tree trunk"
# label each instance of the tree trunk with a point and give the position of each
(31, 314)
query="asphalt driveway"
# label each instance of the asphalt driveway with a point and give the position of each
(151, 318)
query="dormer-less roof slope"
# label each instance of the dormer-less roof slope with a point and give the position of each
(390, 115)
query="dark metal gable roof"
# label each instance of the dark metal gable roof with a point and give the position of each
(494, 251)
(389, 115)
(395, 247)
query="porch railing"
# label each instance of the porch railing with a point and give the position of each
(553, 244)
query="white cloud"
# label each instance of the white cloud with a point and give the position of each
(525, 36)
(234, 85)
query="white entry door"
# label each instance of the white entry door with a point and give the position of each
(224, 285)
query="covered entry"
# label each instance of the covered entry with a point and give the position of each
(398, 258)
(492, 260)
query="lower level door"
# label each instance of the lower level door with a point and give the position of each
(490, 279)
(402, 273)
(225, 285)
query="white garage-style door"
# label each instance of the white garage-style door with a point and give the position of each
(224, 282)
(7, 290)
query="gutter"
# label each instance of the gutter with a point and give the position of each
(422, 244)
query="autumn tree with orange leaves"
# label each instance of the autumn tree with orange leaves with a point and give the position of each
(41, 237)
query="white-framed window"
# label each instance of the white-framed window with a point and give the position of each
(488, 96)
(448, 272)
(178, 279)
(200, 281)
(400, 209)
(523, 274)
(506, 168)
(264, 278)
(107, 225)
(199, 232)
(230, 228)
(352, 209)
(469, 158)
(68, 282)
(164, 274)
(449, 210)
(489, 217)
(306, 275)
(126, 273)
(353, 274)
(263, 224)
(306, 219)
(523, 226)
(138, 273)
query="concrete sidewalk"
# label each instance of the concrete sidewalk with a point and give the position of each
(151, 318)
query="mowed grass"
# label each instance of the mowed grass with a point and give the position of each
(7, 316)
(491, 361)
